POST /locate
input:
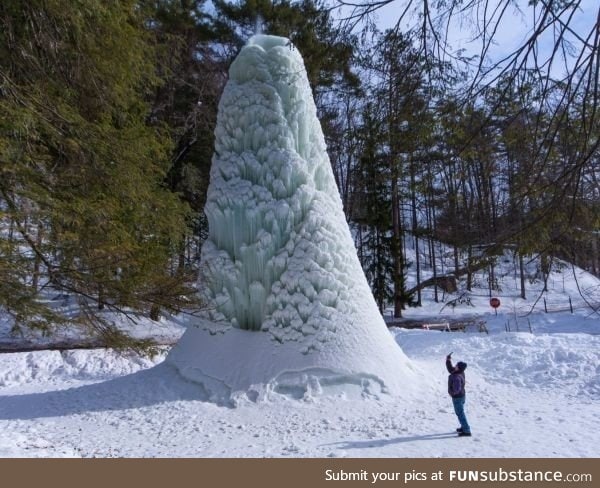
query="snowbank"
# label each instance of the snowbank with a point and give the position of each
(50, 366)
(567, 365)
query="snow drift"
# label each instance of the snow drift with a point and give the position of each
(289, 310)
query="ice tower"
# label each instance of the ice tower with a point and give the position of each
(289, 310)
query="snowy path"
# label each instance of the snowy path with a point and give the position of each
(153, 412)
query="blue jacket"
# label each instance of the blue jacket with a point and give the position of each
(456, 381)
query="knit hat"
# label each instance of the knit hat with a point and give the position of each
(461, 366)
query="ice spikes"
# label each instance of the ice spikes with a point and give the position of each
(279, 260)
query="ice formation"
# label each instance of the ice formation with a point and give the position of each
(289, 308)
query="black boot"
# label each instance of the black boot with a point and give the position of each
(459, 429)
(464, 434)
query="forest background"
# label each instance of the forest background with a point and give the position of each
(107, 112)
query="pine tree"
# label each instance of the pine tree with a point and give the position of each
(372, 210)
(192, 73)
(81, 173)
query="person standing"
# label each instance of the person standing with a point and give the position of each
(456, 389)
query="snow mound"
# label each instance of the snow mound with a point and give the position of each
(241, 366)
(565, 364)
(280, 271)
(52, 366)
(557, 362)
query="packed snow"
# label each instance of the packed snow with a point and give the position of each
(288, 307)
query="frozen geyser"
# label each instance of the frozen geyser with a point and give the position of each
(288, 307)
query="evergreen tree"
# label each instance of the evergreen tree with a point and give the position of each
(372, 210)
(81, 173)
(399, 71)
(192, 74)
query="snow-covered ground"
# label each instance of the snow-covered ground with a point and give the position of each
(529, 395)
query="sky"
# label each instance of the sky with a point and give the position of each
(514, 29)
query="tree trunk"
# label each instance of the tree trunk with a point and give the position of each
(155, 313)
(415, 224)
(545, 268)
(397, 250)
(361, 256)
(181, 254)
(101, 303)
(595, 256)
(522, 276)
(431, 241)
(11, 234)
(456, 258)
(469, 271)
(434, 268)
(37, 259)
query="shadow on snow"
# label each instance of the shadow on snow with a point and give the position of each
(160, 384)
(371, 443)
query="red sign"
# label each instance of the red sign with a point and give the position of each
(495, 302)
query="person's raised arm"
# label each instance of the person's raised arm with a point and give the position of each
(449, 366)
